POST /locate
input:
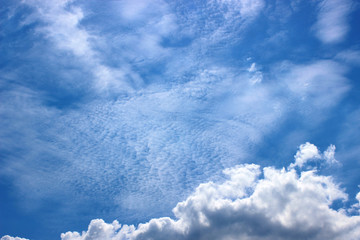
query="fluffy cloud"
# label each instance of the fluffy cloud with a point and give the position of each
(305, 153)
(253, 203)
(309, 152)
(329, 155)
(7, 237)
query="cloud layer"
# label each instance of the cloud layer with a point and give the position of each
(253, 203)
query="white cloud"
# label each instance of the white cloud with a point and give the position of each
(329, 155)
(256, 76)
(349, 56)
(98, 229)
(309, 152)
(152, 138)
(169, 137)
(305, 153)
(356, 206)
(318, 85)
(279, 205)
(252, 68)
(7, 237)
(184, 134)
(331, 25)
(170, 141)
(62, 26)
(246, 8)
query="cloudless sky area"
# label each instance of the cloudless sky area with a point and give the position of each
(119, 110)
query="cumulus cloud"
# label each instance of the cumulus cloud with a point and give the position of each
(305, 153)
(329, 155)
(356, 206)
(332, 26)
(309, 152)
(253, 203)
(7, 237)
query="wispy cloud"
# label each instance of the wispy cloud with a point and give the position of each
(157, 37)
(256, 75)
(61, 24)
(350, 56)
(320, 84)
(332, 25)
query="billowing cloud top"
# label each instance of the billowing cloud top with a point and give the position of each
(121, 109)
(281, 204)
(309, 152)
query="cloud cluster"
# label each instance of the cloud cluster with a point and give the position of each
(309, 152)
(253, 203)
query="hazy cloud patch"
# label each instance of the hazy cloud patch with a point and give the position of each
(331, 25)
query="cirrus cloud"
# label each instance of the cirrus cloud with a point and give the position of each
(331, 26)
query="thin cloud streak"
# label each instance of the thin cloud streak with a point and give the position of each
(332, 26)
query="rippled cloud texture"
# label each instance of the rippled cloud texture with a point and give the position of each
(122, 110)
(281, 204)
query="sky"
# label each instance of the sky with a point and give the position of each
(155, 119)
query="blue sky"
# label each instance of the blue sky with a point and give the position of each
(179, 115)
